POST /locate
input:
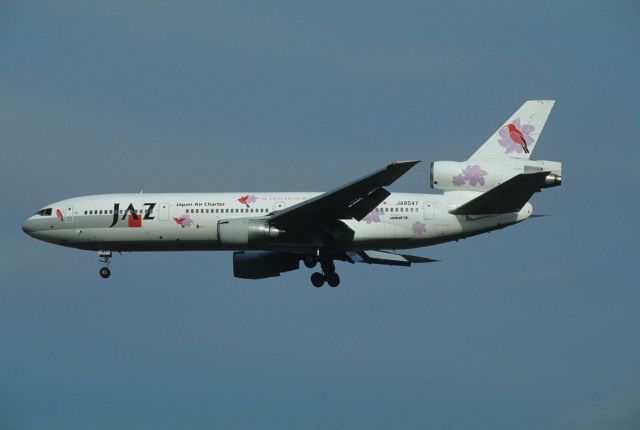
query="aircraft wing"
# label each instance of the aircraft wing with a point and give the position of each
(386, 258)
(353, 200)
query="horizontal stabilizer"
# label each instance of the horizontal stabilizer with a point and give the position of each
(387, 258)
(508, 197)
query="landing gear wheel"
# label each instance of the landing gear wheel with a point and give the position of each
(317, 279)
(105, 272)
(333, 279)
(310, 261)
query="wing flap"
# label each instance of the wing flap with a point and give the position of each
(387, 258)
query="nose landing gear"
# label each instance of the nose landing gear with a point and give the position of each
(105, 272)
(105, 257)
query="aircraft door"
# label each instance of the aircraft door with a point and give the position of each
(428, 210)
(68, 214)
(163, 211)
(442, 215)
(279, 205)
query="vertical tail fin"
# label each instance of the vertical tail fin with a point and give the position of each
(519, 135)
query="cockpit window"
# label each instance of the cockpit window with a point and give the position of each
(44, 212)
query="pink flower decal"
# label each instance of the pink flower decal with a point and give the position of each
(516, 138)
(373, 216)
(245, 200)
(184, 221)
(473, 174)
(418, 227)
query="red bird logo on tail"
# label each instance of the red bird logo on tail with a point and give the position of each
(516, 135)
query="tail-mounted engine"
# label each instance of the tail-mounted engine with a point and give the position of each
(482, 176)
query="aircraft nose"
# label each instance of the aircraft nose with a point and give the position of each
(28, 226)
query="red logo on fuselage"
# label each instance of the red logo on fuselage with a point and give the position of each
(245, 200)
(134, 221)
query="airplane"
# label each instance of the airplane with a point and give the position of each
(360, 222)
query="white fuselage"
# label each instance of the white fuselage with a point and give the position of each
(189, 221)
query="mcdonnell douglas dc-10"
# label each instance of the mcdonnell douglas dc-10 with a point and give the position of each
(360, 222)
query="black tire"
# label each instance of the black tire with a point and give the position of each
(317, 279)
(333, 279)
(310, 261)
(105, 272)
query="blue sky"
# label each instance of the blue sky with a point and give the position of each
(530, 327)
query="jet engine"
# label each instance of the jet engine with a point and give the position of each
(244, 233)
(479, 175)
(263, 264)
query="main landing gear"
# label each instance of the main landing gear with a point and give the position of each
(328, 275)
(105, 257)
